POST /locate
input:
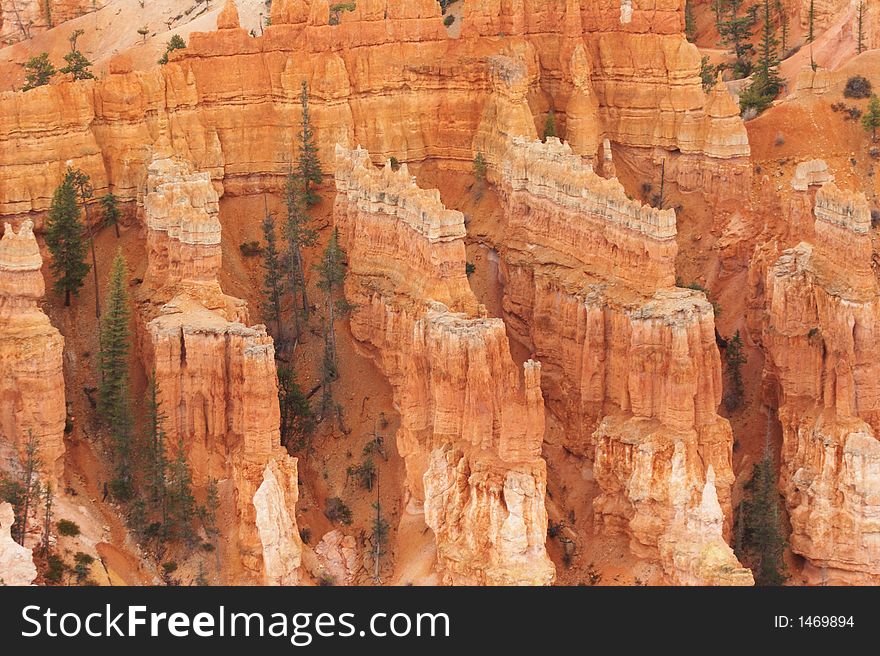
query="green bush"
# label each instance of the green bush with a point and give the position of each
(68, 528)
(337, 511)
(857, 87)
(449, 20)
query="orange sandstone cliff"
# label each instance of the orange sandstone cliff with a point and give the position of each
(821, 373)
(471, 424)
(31, 379)
(630, 361)
(216, 376)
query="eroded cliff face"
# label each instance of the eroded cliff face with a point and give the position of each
(31, 377)
(821, 372)
(630, 361)
(471, 424)
(21, 19)
(216, 376)
(380, 78)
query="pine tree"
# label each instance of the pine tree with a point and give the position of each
(735, 31)
(181, 502)
(480, 167)
(810, 19)
(157, 457)
(550, 125)
(783, 26)
(65, 238)
(871, 118)
(83, 184)
(309, 166)
(860, 32)
(114, 402)
(176, 42)
(718, 9)
(47, 518)
(298, 234)
(110, 206)
(77, 64)
(297, 420)
(735, 359)
(30, 483)
(273, 285)
(331, 275)
(38, 71)
(763, 530)
(768, 63)
(690, 27)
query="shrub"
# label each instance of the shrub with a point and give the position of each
(480, 167)
(55, 569)
(875, 218)
(779, 140)
(68, 528)
(337, 511)
(470, 268)
(395, 164)
(449, 20)
(857, 87)
(364, 474)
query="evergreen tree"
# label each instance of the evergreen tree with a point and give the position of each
(38, 71)
(690, 27)
(331, 275)
(114, 402)
(30, 484)
(480, 167)
(735, 31)
(297, 420)
(209, 511)
(110, 206)
(47, 518)
(176, 42)
(83, 184)
(273, 285)
(762, 525)
(718, 9)
(550, 125)
(768, 62)
(871, 118)
(66, 239)
(298, 234)
(77, 64)
(157, 458)
(309, 166)
(810, 19)
(860, 31)
(735, 359)
(181, 502)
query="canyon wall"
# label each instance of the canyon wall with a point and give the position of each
(381, 77)
(31, 378)
(16, 562)
(215, 376)
(821, 373)
(629, 361)
(22, 19)
(472, 425)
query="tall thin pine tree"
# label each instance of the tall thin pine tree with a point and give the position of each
(273, 284)
(309, 166)
(65, 238)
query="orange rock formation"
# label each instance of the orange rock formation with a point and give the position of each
(216, 377)
(471, 425)
(21, 19)
(380, 78)
(822, 373)
(630, 360)
(31, 378)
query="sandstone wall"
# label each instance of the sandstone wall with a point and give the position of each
(471, 424)
(31, 378)
(20, 19)
(216, 377)
(382, 77)
(630, 361)
(821, 372)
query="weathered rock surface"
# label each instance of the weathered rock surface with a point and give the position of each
(471, 424)
(21, 19)
(821, 372)
(630, 361)
(216, 376)
(31, 378)
(380, 77)
(16, 562)
(337, 557)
